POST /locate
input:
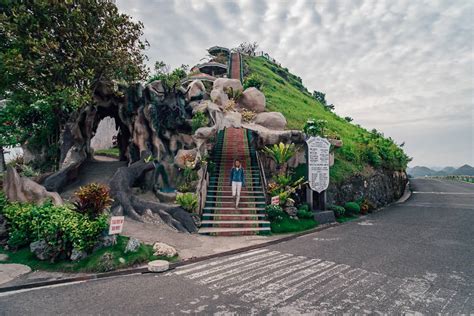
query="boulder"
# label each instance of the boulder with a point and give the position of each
(225, 83)
(22, 189)
(106, 262)
(77, 255)
(196, 90)
(252, 99)
(291, 211)
(3, 230)
(205, 132)
(269, 137)
(105, 241)
(271, 120)
(162, 249)
(132, 245)
(219, 97)
(166, 197)
(180, 160)
(199, 107)
(41, 249)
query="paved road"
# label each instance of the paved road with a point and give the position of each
(411, 257)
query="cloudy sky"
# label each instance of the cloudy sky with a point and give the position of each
(403, 67)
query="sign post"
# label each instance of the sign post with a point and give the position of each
(116, 225)
(318, 171)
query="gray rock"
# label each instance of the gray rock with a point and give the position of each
(105, 241)
(196, 89)
(132, 245)
(291, 210)
(106, 262)
(41, 249)
(224, 83)
(166, 197)
(162, 249)
(252, 99)
(77, 255)
(324, 217)
(271, 120)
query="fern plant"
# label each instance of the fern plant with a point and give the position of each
(187, 201)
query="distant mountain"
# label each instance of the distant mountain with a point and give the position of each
(465, 170)
(422, 171)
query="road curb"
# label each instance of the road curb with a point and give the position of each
(173, 265)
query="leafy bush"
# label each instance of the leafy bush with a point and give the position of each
(253, 81)
(304, 214)
(187, 201)
(339, 211)
(314, 127)
(61, 227)
(352, 208)
(3, 201)
(199, 120)
(282, 180)
(275, 213)
(304, 207)
(92, 199)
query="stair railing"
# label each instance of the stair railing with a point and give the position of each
(203, 189)
(262, 175)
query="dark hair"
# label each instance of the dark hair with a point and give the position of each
(235, 160)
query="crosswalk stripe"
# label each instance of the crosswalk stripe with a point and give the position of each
(198, 265)
(273, 289)
(230, 265)
(254, 280)
(240, 270)
(306, 284)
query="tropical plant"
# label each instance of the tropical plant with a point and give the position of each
(187, 201)
(253, 80)
(92, 199)
(233, 94)
(199, 120)
(280, 153)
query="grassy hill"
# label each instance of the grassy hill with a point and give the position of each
(285, 93)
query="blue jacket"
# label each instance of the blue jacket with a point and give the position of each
(237, 175)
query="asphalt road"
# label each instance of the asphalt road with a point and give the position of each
(411, 257)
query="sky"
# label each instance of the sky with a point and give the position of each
(405, 68)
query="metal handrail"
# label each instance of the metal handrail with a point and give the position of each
(262, 174)
(203, 193)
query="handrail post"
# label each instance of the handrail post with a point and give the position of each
(262, 175)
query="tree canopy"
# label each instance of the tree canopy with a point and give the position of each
(52, 55)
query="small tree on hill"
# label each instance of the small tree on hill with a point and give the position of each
(247, 48)
(320, 97)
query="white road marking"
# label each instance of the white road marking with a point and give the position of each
(444, 193)
(230, 265)
(198, 265)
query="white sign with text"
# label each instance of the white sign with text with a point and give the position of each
(318, 163)
(116, 225)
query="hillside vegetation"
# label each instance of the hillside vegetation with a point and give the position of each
(285, 93)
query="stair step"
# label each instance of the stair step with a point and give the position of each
(214, 231)
(223, 216)
(233, 208)
(242, 197)
(235, 224)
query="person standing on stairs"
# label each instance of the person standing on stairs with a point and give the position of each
(237, 181)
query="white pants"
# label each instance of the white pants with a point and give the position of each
(236, 187)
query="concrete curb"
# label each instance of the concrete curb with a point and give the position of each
(173, 265)
(406, 195)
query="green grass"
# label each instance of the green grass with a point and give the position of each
(285, 93)
(346, 218)
(289, 225)
(111, 152)
(89, 264)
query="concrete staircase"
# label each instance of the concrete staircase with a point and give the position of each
(235, 66)
(220, 217)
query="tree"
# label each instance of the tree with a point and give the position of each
(348, 119)
(247, 48)
(53, 54)
(170, 79)
(320, 97)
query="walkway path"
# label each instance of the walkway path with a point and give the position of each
(235, 66)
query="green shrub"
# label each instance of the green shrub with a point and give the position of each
(339, 211)
(304, 214)
(352, 208)
(304, 207)
(92, 199)
(61, 227)
(187, 201)
(275, 213)
(314, 127)
(3, 201)
(291, 225)
(253, 81)
(199, 120)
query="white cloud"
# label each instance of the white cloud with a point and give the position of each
(403, 67)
